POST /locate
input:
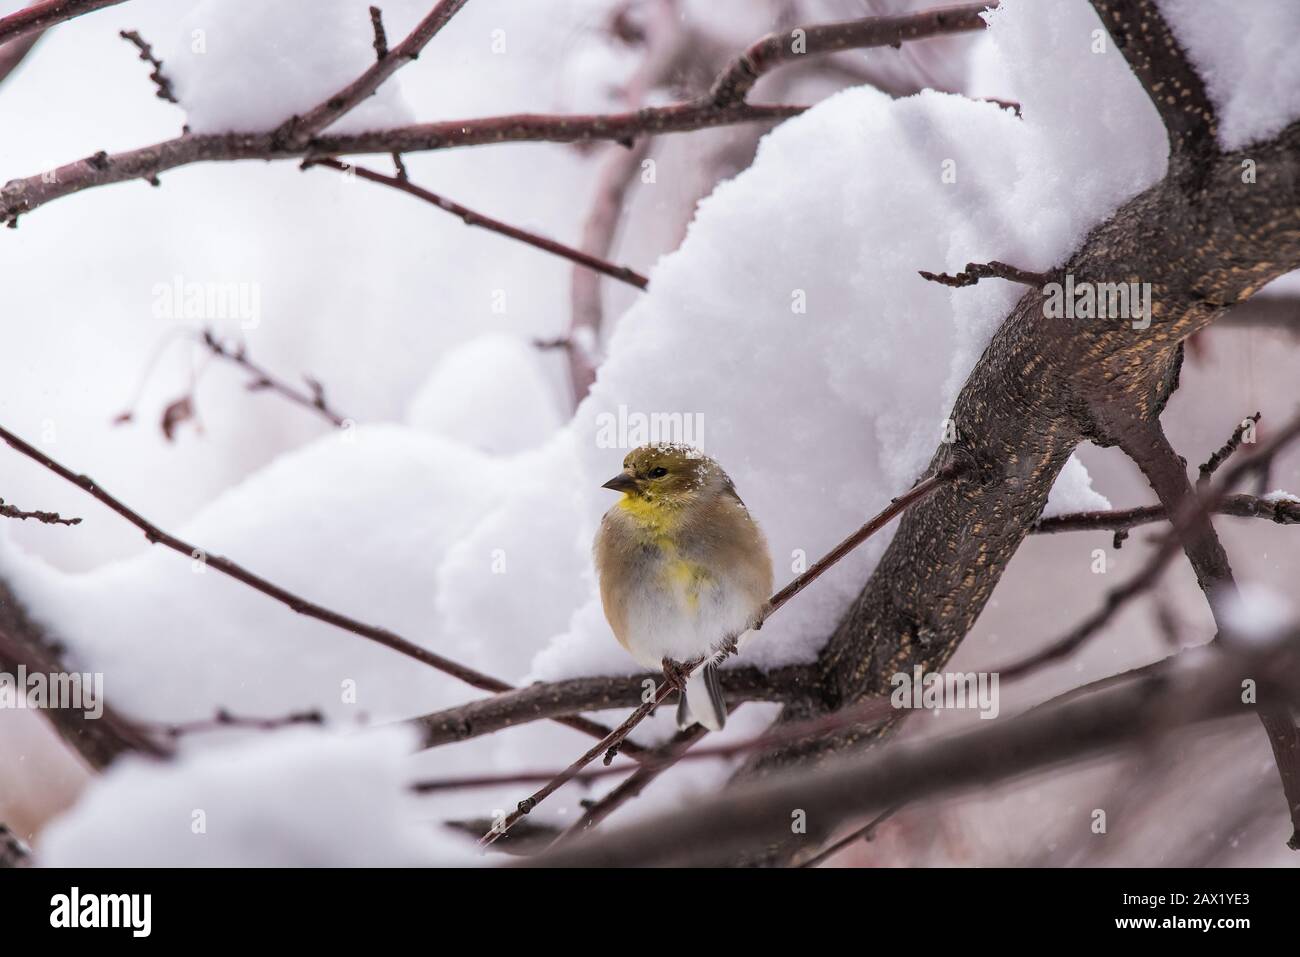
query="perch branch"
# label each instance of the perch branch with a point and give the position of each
(302, 606)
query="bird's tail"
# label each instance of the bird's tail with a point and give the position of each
(703, 701)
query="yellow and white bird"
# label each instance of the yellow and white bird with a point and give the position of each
(684, 570)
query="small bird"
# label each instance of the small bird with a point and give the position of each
(684, 570)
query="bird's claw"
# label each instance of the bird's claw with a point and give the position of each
(675, 674)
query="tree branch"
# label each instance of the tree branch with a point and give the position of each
(1165, 72)
(1188, 690)
(38, 17)
(302, 606)
(298, 131)
(739, 78)
(21, 196)
(470, 218)
(48, 518)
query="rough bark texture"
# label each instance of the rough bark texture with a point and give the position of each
(1204, 240)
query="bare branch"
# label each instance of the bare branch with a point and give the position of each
(1222, 454)
(48, 518)
(776, 48)
(381, 37)
(1194, 511)
(298, 131)
(470, 218)
(160, 80)
(540, 700)
(313, 399)
(1189, 689)
(224, 720)
(302, 606)
(974, 272)
(38, 17)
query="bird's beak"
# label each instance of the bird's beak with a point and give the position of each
(622, 482)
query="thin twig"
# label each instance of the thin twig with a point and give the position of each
(298, 131)
(262, 379)
(864, 833)
(471, 218)
(1279, 510)
(381, 37)
(1200, 506)
(160, 80)
(224, 720)
(302, 606)
(974, 272)
(1221, 455)
(49, 518)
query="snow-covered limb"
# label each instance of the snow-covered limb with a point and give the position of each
(262, 379)
(1187, 689)
(735, 83)
(13, 852)
(974, 272)
(22, 196)
(471, 218)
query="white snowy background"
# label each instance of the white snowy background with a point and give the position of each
(459, 508)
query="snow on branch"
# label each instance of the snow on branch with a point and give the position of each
(301, 136)
(1163, 68)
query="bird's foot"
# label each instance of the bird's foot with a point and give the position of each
(675, 674)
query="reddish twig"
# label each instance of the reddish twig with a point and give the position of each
(48, 518)
(1281, 511)
(298, 131)
(263, 380)
(224, 720)
(471, 218)
(1199, 507)
(38, 17)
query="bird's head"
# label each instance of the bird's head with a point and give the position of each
(667, 476)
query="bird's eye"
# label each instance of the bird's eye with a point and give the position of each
(659, 472)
